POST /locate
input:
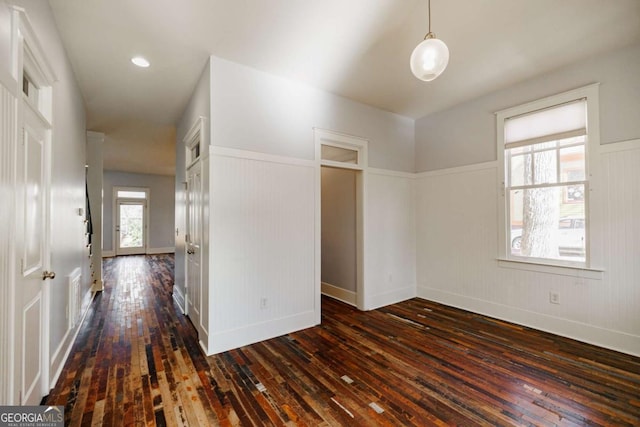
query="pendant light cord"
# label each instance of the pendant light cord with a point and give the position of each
(429, 10)
(429, 35)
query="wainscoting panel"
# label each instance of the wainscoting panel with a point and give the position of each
(8, 126)
(457, 250)
(390, 238)
(621, 221)
(262, 248)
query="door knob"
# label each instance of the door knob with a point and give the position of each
(191, 251)
(48, 275)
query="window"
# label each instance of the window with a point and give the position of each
(129, 194)
(340, 150)
(338, 154)
(544, 150)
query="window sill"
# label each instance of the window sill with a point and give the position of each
(562, 270)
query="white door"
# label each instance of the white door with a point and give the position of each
(33, 204)
(131, 227)
(194, 244)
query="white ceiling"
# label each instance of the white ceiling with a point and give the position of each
(355, 48)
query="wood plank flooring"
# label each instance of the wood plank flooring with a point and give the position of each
(137, 362)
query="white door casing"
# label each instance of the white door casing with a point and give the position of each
(338, 150)
(194, 245)
(195, 140)
(33, 271)
(33, 186)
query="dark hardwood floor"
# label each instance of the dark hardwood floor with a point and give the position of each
(137, 362)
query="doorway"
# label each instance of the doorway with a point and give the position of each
(131, 220)
(339, 243)
(196, 292)
(343, 160)
(36, 260)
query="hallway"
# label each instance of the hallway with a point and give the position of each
(137, 362)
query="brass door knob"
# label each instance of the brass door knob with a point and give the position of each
(48, 275)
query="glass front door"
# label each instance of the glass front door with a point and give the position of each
(131, 228)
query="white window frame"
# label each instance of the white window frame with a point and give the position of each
(593, 242)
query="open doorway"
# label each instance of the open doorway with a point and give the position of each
(339, 272)
(130, 233)
(343, 159)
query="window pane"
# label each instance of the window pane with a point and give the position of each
(575, 140)
(545, 167)
(545, 224)
(572, 164)
(338, 154)
(518, 150)
(520, 170)
(132, 194)
(545, 145)
(131, 226)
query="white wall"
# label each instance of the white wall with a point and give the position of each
(339, 228)
(5, 42)
(262, 248)
(161, 208)
(457, 211)
(262, 192)
(67, 177)
(466, 134)
(256, 111)
(390, 238)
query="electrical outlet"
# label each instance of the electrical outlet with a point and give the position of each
(554, 298)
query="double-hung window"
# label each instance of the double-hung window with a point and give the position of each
(543, 150)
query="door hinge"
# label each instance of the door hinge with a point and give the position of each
(21, 266)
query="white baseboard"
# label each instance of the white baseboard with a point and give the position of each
(108, 254)
(391, 297)
(348, 297)
(178, 297)
(250, 334)
(167, 250)
(614, 340)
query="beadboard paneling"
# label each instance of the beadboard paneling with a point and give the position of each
(8, 117)
(262, 249)
(457, 233)
(390, 238)
(621, 179)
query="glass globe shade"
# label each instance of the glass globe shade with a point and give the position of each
(429, 59)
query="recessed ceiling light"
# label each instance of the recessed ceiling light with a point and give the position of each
(140, 61)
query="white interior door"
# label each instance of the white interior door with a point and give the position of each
(131, 227)
(33, 200)
(194, 245)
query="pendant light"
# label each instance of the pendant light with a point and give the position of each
(430, 57)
